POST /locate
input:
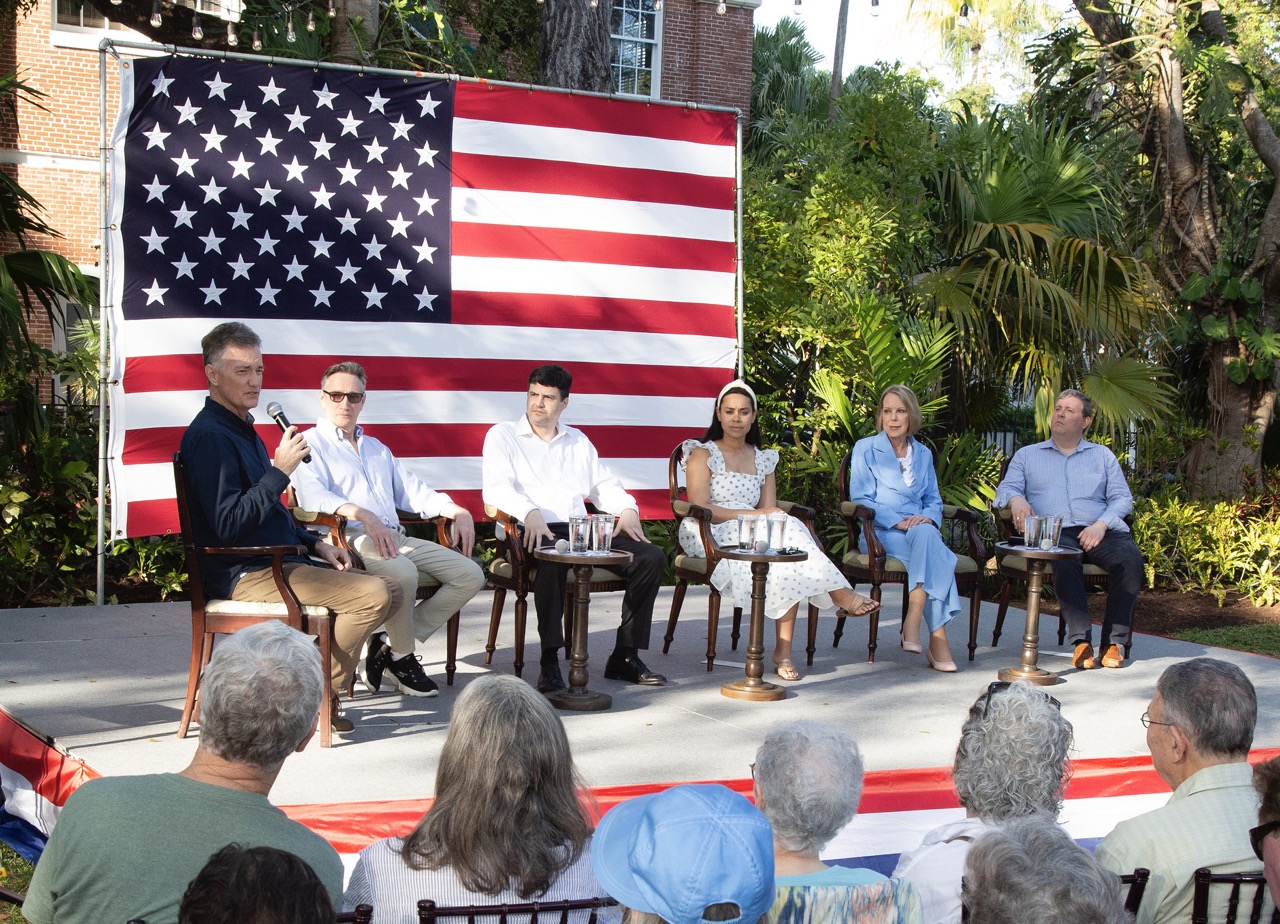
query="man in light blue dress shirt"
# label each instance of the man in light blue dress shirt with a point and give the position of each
(1081, 482)
(357, 476)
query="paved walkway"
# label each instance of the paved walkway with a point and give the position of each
(107, 683)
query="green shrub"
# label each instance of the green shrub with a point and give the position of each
(1210, 548)
(48, 512)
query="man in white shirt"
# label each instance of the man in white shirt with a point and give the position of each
(357, 476)
(542, 473)
(1199, 730)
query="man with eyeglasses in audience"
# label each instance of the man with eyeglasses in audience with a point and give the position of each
(1199, 730)
(355, 475)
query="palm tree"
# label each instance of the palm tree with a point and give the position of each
(1027, 270)
(30, 280)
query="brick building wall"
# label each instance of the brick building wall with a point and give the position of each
(706, 56)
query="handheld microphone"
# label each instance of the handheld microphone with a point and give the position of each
(276, 412)
(562, 546)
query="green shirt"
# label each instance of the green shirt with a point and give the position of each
(126, 847)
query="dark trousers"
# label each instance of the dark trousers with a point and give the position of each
(1118, 554)
(643, 575)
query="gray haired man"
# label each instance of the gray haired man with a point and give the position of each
(126, 847)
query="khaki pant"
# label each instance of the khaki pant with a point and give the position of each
(421, 564)
(361, 601)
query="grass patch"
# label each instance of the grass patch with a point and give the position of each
(15, 874)
(1261, 638)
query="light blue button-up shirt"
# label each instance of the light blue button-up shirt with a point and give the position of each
(1082, 488)
(372, 478)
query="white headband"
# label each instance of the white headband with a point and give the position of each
(738, 383)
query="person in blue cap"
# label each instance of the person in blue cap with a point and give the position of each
(687, 855)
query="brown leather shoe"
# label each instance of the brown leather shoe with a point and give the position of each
(1083, 658)
(338, 722)
(1112, 657)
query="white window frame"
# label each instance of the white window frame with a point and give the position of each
(654, 44)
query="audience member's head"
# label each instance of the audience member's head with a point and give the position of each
(1266, 837)
(915, 420)
(260, 697)
(264, 885)
(1012, 756)
(507, 807)
(1030, 869)
(808, 783)
(686, 855)
(1208, 703)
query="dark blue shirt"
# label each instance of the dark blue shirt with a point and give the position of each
(234, 492)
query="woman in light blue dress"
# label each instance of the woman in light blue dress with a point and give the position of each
(892, 473)
(728, 473)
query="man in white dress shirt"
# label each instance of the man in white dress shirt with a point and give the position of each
(542, 473)
(357, 476)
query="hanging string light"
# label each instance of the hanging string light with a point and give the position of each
(257, 38)
(290, 33)
(721, 8)
(197, 30)
(156, 19)
(233, 36)
(311, 20)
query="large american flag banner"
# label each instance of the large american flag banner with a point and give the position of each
(448, 235)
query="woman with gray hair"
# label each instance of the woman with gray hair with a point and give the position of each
(1011, 763)
(507, 825)
(808, 782)
(1031, 869)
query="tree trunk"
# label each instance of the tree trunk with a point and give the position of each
(575, 45)
(837, 59)
(1187, 237)
(350, 12)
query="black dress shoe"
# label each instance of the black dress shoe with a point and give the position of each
(632, 670)
(549, 679)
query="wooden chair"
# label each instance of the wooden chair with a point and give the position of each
(689, 568)
(1137, 883)
(12, 897)
(1014, 568)
(537, 912)
(876, 568)
(210, 617)
(512, 569)
(336, 526)
(1206, 878)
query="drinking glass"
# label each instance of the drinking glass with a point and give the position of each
(579, 534)
(1031, 528)
(602, 531)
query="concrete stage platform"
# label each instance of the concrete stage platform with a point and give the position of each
(106, 683)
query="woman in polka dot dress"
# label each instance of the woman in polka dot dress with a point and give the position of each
(727, 472)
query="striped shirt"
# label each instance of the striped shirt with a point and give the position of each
(1082, 488)
(382, 879)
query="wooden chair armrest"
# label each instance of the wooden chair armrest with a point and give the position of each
(319, 518)
(12, 897)
(970, 519)
(277, 553)
(805, 515)
(510, 544)
(443, 525)
(272, 550)
(867, 520)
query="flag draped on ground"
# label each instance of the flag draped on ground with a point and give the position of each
(448, 235)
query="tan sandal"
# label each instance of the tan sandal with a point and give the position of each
(786, 670)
